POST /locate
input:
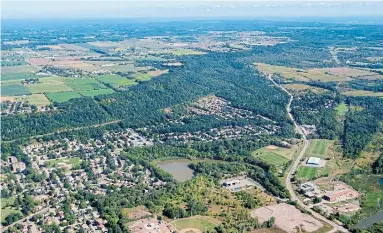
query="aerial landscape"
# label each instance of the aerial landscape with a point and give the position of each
(191, 125)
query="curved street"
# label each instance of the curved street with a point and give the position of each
(295, 165)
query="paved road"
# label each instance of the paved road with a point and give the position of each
(289, 186)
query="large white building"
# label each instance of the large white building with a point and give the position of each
(313, 161)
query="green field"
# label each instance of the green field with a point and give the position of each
(7, 201)
(187, 52)
(307, 172)
(48, 87)
(318, 148)
(341, 109)
(62, 96)
(84, 84)
(142, 76)
(122, 68)
(116, 80)
(272, 158)
(370, 187)
(6, 212)
(73, 161)
(92, 93)
(13, 90)
(193, 222)
(38, 99)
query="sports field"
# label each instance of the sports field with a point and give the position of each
(13, 89)
(84, 84)
(92, 93)
(116, 80)
(73, 161)
(196, 222)
(307, 172)
(318, 148)
(62, 96)
(272, 158)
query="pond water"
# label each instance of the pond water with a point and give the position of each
(179, 169)
(378, 217)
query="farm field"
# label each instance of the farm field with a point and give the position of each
(195, 222)
(142, 76)
(13, 89)
(187, 52)
(116, 80)
(122, 68)
(38, 99)
(84, 84)
(340, 74)
(48, 87)
(303, 87)
(362, 93)
(62, 96)
(92, 93)
(318, 148)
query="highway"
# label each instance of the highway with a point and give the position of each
(289, 186)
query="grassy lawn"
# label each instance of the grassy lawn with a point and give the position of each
(84, 84)
(62, 96)
(193, 222)
(116, 80)
(7, 201)
(49, 87)
(318, 148)
(341, 109)
(272, 158)
(92, 93)
(307, 172)
(6, 212)
(73, 161)
(13, 90)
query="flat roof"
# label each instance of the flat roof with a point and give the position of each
(313, 160)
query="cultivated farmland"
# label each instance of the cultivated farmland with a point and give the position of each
(48, 87)
(92, 93)
(116, 80)
(13, 90)
(62, 96)
(84, 84)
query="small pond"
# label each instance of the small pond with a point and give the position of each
(178, 168)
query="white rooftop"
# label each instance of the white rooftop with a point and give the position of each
(313, 160)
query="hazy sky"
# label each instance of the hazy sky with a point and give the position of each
(187, 9)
